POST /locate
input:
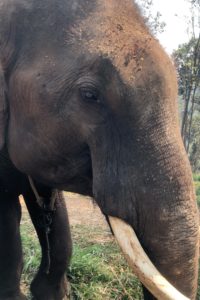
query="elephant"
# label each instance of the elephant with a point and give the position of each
(88, 105)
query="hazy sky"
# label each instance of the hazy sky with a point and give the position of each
(174, 14)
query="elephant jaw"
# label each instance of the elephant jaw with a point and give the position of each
(141, 264)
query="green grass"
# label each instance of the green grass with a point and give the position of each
(97, 271)
(31, 253)
(196, 177)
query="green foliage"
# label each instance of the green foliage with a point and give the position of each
(31, 253)
(196, 178)
(195, 2)
(187, 61)
(153, 19)
(100, 272)
(184, 60)
(97, 271)
(197, 186)
(194, 153)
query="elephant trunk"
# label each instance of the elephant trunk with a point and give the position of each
(151, 190)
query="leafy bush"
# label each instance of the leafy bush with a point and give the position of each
(196, 178)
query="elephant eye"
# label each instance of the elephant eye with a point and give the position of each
(89, 95)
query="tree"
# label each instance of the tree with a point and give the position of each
(187, 61)
(195, 147)
(154, 20)
(196, 2)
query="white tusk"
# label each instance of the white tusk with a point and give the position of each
(141, 264)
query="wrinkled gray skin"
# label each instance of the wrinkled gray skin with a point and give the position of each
(88, 104)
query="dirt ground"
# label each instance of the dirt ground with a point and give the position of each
(83, 211)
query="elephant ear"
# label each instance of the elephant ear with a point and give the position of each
(3, 108)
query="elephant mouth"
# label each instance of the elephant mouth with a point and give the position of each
(141, 264)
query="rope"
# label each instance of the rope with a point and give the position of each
(47, 210)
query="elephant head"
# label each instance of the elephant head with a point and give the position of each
(88, 105)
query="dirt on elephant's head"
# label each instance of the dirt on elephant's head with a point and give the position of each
(115, 30)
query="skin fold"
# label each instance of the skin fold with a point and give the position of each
(88, 105)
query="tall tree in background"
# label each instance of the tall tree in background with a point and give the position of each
(196, 2)
(187, 60)
(195, 144)
(153, 19)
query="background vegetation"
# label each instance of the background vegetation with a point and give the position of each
(197, 187)
(187, 61)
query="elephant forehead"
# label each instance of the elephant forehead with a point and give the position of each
(115, 31)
